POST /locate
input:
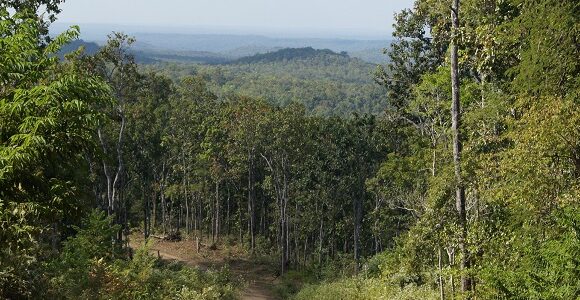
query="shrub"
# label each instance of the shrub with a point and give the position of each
(89, 267)
(357, 288)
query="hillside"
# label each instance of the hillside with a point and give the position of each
(288, 54)
(325, 82)
(90, 48)
(201, 57)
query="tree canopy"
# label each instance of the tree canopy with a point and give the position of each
(454, 175)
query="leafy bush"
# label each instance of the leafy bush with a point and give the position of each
(548, 266)
(90, 267)
(359, 288)
(293, 281)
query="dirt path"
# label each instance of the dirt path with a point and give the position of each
(259, 278)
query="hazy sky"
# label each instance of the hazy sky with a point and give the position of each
(355, 17)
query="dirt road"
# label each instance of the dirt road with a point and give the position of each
(259, 278)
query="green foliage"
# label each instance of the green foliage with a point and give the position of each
(48, 113)
(89, 267)
(520, 114)
(547, 267)
(248, 150)
(360, 288)
(82, 254)
(326, 83)
(548, 31)
(289, 54)
(91, 241)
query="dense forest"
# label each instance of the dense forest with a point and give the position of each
(325, 82)
(452, 172)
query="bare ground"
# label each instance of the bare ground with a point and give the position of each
(259, 278)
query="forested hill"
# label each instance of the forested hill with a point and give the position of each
(90, 48)
(325, 82)
(309, 64)
(290, 54)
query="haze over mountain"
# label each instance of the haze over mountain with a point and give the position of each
(227, 46)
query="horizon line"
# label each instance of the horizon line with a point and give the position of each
(279, 32)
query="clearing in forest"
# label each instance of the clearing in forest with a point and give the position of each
(258, 277)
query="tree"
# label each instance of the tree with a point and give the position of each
(419, 47)
(50, 8)
(49, 118)
(144, 149)
(281, 154)
(116, 65)
(457, 145)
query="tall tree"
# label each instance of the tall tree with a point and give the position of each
(48, 119)
(116, 65)
(457, 144)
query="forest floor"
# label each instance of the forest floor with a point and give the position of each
(258, 277)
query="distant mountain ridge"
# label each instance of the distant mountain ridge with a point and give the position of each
(146, 55)
(216, 48)
(224, 43)
(238, 46)
(90, 48)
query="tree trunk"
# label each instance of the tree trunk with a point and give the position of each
(200, 216)
(280, 180)
(106, 171)
(163, 213)
(356, 236)
(457, 147)
(114, 182)
(180, 217)
(187, 224)
(194, 214)
(320, 239)
(251, 200)
(163, 204)
(451, 257)
(440, 261)
(154, 210)
(120, 163)
(217, 210)
(228, 212)
(185, 196)
(240, 222)
(146, 214)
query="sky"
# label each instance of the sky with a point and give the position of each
(295, 17)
